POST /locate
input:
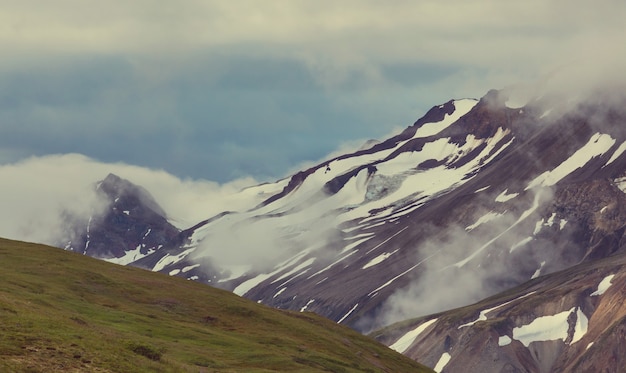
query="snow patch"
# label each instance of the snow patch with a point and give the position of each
(404, 342)
(333, 263)
(483, 314)
(360, 235)
(189, 268)
(617, 153)
(130, 256)
(538, 271)
(504, 340)
(520, 244)
(235, 272)
(379, 259)
(355, 244)
(347, 314)
(169, 259)
(279, 292)
(307, 305)
(461, 107)
(387, 240)
(549, 223)
(302, 265)
(374, 292)
(580, 329)
(603, 286)
(597, 145)
(247, 285)
(621, 183)
(483, 219)
(550, 328)
(443, 361)
(503, 197)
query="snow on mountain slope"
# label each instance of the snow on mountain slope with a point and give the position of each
(570, 321)
(327, 232)
(597, 145)
(474, 198)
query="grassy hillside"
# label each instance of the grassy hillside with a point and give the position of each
(63, 312)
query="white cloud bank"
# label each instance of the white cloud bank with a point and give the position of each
(36, 191)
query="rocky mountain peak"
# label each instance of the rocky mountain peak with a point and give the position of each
(131, 226)
(126, 196)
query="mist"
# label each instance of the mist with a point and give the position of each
(463, 264)
(38, 193)
(256, 241)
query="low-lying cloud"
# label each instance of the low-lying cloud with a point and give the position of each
(441, 284)
(37, 191)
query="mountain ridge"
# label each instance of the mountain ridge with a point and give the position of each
(475, 198)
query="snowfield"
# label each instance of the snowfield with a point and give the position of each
(404, 342)
(597, 145)
(603, 286)
(550, 328)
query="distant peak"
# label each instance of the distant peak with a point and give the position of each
(112, 178)
(115, 187)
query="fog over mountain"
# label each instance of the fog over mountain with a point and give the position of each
(431, 165)
(37, 191)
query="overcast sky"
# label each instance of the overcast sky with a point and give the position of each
(220, 90)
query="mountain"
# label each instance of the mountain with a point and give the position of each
(133, 225)
(475, 198)
(570, 321)
(62, 312)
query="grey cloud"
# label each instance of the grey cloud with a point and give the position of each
(195, 87)
(37, 191)
(201, 121)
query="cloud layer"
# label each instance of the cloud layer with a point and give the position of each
(35, 192)
(219, 90)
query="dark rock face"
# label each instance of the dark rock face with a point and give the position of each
(133, 221)
(133, 230)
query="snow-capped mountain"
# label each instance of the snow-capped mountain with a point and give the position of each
(475, 198)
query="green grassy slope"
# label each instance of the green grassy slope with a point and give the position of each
(61, 311)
